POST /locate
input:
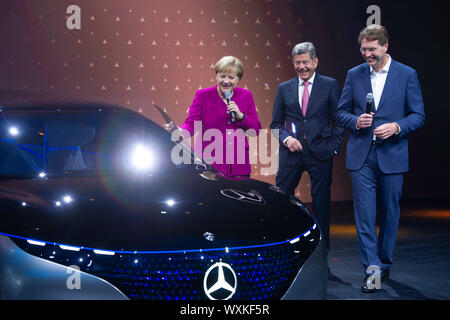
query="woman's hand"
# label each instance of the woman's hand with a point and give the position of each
(170, 126)
(232, 106)
(176, 132)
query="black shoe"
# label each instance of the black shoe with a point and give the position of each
(385, 274)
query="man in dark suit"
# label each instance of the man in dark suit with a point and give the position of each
(304, 115)
(377, 149)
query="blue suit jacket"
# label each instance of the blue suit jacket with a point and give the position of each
(401, 102)
(323, 139)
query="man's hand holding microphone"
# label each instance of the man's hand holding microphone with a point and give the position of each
(365, 120)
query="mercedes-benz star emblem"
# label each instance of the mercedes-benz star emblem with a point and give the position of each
(220, 282)
(250, 197)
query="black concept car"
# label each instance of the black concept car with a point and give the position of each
(92, 207)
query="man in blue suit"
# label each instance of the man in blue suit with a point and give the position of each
(304, 115)
(377, 149)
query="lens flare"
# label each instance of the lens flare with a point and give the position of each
(13, 131)
(142, 158)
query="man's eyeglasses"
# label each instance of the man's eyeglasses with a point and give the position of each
(364, 50)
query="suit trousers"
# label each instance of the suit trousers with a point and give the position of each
(375, 191)
(320, 173)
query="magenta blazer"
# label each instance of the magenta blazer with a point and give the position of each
(209, 108)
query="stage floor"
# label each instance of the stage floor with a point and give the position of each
(421, 267)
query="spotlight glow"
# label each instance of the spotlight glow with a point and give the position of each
(170, 202)
(13, 131)
(142, 158)
(67, 199)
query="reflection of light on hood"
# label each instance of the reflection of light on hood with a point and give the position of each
(104, 252)
(37, 243)
(65, 199)
(13, 131)
(64, 247)
(142, 158)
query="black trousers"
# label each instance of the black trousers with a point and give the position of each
(320, 173)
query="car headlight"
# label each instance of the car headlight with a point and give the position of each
(142, 158)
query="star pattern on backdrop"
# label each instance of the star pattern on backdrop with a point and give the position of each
(140, 53)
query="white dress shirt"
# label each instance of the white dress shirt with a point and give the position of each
(301, 88)
(378, 80)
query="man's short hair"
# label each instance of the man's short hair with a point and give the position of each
(304, 47)
(374, 32)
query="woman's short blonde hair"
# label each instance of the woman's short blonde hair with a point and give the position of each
(230, 64)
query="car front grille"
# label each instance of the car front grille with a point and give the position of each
(262, 272)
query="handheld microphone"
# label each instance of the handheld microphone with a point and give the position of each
(294, 129)
(369, 102)
(228, 96)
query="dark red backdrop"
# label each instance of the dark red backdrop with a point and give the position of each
(137, 53)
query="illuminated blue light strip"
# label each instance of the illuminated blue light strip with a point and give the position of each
(45, 143)
(61, 148)
(21, 146)
(168, 251)
(30, 151)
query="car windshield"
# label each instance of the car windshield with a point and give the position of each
(81, 141)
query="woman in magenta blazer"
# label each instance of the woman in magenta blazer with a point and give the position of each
(222, 142)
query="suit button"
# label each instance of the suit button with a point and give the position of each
(229, 122)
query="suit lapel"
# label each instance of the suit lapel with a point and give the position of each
(294, 90)
(389, 84)
(366, 79)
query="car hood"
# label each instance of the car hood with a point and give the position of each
(156, 212)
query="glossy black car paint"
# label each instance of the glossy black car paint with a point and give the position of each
(175, 209)
(135, 215)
